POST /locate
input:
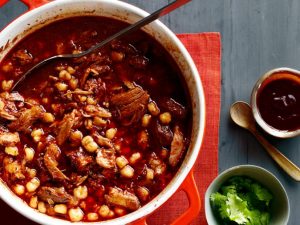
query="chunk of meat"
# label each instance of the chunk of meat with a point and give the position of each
(80, 159)
(95, 110)
(50, 161)
(106, 158)
(96, 180)
(102, 141)
(8, 109)
(14, 168)
(170, 105)
(98, 69)
(139, 62)
(26, 119)
(66, 125)
(122, 47)
(54, 195)
(118, 197)
(78, 179)
(7, 138)
(96, 86)
(177, 147)
(162, 134)
(143, 139)
(7, 116)
(22, 56)
(15, 97)
(157, 164)
(131, 105)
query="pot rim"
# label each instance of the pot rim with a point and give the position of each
(186, 166)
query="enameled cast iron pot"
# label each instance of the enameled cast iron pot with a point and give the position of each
(43, 12)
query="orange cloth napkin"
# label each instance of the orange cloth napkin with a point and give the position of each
(205, 49)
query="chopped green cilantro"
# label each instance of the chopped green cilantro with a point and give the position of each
(242, 200)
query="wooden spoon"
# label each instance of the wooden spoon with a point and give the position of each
(241, 114)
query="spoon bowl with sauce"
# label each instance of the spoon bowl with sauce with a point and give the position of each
(275, 102)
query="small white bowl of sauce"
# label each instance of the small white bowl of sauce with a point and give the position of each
(275, 102)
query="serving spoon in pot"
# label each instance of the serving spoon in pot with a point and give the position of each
(241, 114)
(153, 16)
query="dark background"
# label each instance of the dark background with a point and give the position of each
(257, 35)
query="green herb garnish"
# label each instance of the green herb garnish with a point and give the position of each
(242, 200)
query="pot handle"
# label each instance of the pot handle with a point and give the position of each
(190, 187)
(32, 4)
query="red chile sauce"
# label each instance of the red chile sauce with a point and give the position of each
(150, 67)
(278, 102)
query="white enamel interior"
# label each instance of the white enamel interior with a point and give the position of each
(123, 11)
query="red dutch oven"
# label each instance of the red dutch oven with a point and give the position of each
(42, 12)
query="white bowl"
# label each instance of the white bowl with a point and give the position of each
(280, 208)
(55, 10)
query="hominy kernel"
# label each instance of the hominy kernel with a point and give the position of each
(76, 214)
(71, 70)
(12, 167)
(48, 117)
(117, 147)
(92, 216)
(153, 109)
(64, 75)
(165, 118)
(135, 157)
(33, 184)
(60, 208)
(13, 151)
(117, 56)
(149, 174)
(89, 144)
(7, 67)
(110, 133)
(37, 134)
(98, 121)
(76, 136)
(73, 83)
(142, 193)
(19, 189)
(111, 214)
(33, 203)
(42, 207)
(104, 211)
(88, 123)
(146, 120)
(29, 153)
(121, 161)
(120, 211)
(61, 86)
(7, 85)
(127, 171)
(81, 192)
(31, 172)
(45, 100)
(82, 98)
(91, 101)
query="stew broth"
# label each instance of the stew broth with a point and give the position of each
(97, 137)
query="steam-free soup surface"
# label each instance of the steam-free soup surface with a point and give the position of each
(96, 137)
